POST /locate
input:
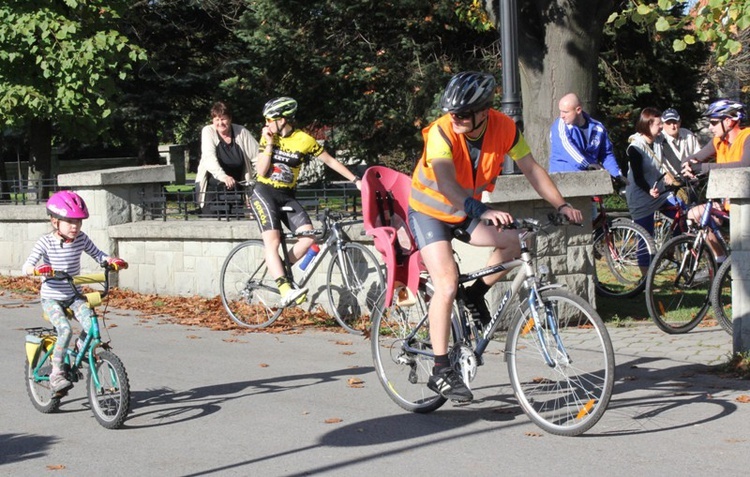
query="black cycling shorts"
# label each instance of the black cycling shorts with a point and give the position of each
(267, 202)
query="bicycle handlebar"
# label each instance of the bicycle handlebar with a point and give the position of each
(531, 224)
(87, 279)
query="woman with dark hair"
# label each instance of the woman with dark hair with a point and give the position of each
(226, 153)
(645, 188)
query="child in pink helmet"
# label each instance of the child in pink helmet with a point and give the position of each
(61, 250)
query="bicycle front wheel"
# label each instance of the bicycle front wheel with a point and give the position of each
(110, 400)
(355, 284)
(617, 273)
(563, 370)
(402, 353)
(721, 296)
(248, 291)
(678, 284)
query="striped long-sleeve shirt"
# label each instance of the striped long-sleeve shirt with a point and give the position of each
(62, 257)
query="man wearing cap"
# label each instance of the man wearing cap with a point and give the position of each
(579, 142)
(676, 142)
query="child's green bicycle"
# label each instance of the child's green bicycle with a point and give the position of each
(107, 385)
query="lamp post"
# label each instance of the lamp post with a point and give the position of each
(511, 99)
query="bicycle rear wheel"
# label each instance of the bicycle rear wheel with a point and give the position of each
(111, 400)
(616, 270)
(721, 296)
(40, 392)
(678, 284)
(570, 396)
(402, 353)
(248, 291)
(355, 284)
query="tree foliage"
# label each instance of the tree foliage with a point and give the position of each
(370, 70)
(715, 22)
(638, 68)
(59, 61)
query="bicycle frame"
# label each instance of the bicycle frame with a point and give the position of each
(706, 225)
(334, 237)
(93, 335)
(526, 277)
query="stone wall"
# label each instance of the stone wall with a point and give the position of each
(185, 257)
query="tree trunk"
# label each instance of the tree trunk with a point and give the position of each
(559, 43)
(148, 144)
(558, 49)
(40, 158)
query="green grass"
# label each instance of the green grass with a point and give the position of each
(622, 311)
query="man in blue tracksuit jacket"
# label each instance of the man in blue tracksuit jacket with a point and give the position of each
(579, 141)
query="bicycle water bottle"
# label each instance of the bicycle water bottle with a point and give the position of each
(311, 253)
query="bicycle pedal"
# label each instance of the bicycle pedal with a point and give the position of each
(301, 299)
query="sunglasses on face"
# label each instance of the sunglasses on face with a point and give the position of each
(269, 120)
(464, 116)
(714, 122)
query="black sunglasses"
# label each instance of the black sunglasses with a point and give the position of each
(463, 116)
(714, 122)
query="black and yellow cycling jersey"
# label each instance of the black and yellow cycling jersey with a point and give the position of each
(288, 156)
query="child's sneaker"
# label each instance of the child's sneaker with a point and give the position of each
(58, 382)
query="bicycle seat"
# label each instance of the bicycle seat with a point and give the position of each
(385, 202)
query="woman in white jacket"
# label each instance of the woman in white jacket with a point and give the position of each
(645, 188)
(226, 153)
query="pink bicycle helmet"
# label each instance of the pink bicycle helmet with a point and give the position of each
(67, 204)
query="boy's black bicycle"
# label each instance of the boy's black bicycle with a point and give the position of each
(107, 385)
(559, 355)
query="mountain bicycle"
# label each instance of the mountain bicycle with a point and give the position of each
(107, 386)
(617, 244)
(721, 296)
(678, 282)
(672, 219)
(559, 355)
(354, 280)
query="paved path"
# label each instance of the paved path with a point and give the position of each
(217, 403)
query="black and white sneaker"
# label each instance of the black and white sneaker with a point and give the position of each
(449, 384)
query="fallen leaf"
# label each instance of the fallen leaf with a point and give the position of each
(533, 434)
(333, 420)
(263, 365)
(355, 383)
(344, 343)
(744, 398)
(193, 337)
(348, 353)
(56, 467)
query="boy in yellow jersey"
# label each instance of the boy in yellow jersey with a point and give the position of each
(463, 156)
(284, 150)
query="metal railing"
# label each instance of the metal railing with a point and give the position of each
(235, 205)
(181, 204)
(27, 191)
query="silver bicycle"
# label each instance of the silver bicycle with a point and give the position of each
(559, 355)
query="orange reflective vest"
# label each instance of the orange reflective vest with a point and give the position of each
(733, 153)
(498, 140)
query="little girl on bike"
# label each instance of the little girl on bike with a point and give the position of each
(61, 250)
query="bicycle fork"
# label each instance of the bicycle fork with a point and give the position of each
(535, 326)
